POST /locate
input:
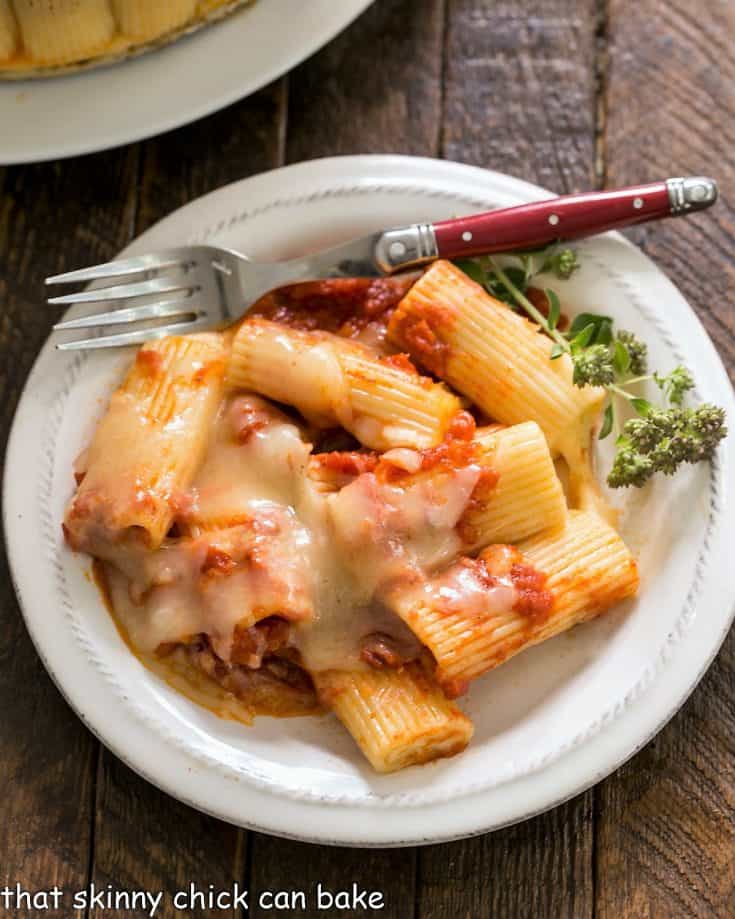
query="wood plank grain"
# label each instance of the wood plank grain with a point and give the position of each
(539, 868)
(376, 89)
(143, 838)
(520, 90)
(343, 102)
(53, 217)
(666, 826)
(670, 112)
(520, 98)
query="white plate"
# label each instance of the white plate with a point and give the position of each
(62, 116)
(549, 724)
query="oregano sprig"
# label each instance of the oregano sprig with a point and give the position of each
(659, 438)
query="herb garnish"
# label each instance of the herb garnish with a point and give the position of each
(661, 438)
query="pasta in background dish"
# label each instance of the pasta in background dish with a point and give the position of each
(371, 544)
(39, 36)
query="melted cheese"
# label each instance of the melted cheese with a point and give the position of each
(459, 589)
(179, 591)
(388, 532)
(261, 539)
(240, 475)
(178, 671)
(323, 390)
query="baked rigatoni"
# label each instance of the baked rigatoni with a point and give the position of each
(64, 35)
(497, 358)
(525, 496)
(381, 578)
(255, 458)
(398, 718)
(334, 381)
(148, 446)
(389, 522)
(220, 585)
(480, 612)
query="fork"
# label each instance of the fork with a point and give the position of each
(205, 287)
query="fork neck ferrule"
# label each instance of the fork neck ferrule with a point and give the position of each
(406, 247)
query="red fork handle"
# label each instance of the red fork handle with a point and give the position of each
(570, 217)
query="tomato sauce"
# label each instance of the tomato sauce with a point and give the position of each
(348, 463)
(423, 342)
(534, 601)
(344, 306)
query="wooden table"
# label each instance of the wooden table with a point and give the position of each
(571, 94)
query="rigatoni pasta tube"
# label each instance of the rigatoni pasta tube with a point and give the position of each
(148, 445)
(219, 584)
(398, 718)
(332, 380)
(497, 358)
(62, 31)
(483, 611)
(8, 31)
(527, 496)
(391, 525)
(502, 486)
(145, 20)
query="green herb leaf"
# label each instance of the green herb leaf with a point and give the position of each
(497, 289)
(556, 351)
(584, 338)
(527, 266)
(604, 331)
(602, 327)
(554, 308)
(473, 269)
(621, 358)
(642, 406)
(517, 277)
(665, 439)
(607, 421)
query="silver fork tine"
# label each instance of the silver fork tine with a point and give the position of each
(120, 268)
(122, 292)
(135, 338)
(161, 310)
